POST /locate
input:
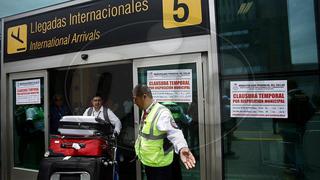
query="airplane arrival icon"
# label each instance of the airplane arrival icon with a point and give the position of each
(18, 39)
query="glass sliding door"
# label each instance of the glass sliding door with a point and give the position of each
(176, 82)
(28, 114)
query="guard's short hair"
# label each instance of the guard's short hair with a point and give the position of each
(141, 89)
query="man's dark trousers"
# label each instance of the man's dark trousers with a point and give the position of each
(159, 173)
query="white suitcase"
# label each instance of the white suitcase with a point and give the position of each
(84, 126)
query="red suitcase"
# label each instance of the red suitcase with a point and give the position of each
(77, 146)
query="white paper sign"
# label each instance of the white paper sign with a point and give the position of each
(259, 99)
(171, 85)
(28, 92)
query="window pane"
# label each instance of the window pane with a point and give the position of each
(302, 32)
(279, 148)
(28, 129)
(261, 36)
(270, 40)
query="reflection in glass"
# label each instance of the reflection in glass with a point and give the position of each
(266, 36)
(302, 31)
(292, 129)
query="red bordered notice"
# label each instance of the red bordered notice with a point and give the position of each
(28, 92)
(171, 85)
(259, 99)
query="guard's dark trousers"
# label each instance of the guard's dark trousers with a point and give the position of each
(159, 173)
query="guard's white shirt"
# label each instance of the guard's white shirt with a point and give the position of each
(112, 117)
(173, 134)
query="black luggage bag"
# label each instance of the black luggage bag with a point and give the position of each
(74, 168)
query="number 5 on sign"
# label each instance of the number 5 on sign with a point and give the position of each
(179, 13)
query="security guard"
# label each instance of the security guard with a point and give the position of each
(157, 131)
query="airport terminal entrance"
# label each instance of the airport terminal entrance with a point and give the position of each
(39, 99)
(71, 90)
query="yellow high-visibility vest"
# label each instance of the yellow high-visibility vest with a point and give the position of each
(149, 144)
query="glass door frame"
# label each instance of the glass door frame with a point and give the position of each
(16, 172)
(173, 60)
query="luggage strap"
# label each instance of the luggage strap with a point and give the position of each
(105, 113)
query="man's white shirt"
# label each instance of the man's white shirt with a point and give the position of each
(173, 134)
(112, 117)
